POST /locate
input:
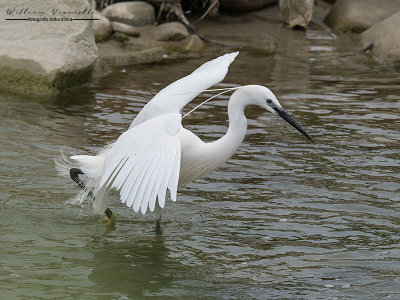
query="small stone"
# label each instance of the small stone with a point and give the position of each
(102, 27)
(193, 43)
(120, 37)
(297, 12)
(173, 31)
(125, 29)
(135, 13)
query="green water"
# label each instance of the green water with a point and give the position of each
(283, 218)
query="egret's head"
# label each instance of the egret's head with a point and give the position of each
(262, 96)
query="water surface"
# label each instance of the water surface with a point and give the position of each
(283, 218)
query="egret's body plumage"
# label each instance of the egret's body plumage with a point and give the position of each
(156, 154)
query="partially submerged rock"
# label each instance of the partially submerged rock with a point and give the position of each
(359, 15)
(297, 12)
(384, 39)
(41, 57)
(112, 54)
(135, 13)
(125, 29)
(102, 27)
(173, 31)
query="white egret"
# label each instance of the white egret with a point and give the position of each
(156, 154)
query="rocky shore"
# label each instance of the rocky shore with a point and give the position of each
(63, 44)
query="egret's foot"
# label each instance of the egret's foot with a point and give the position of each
(74, 174)
(111, 219)
(109, 213)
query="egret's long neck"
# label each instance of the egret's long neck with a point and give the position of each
(237, 124)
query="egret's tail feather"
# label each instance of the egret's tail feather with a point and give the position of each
(63, 164)
(91, 167)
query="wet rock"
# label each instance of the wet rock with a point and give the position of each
(384, 39)
(173, 31)
(120, 37)
(320, 11)
(297, 12)
(102, 28)
(125, 29)
(242, 6)
(42, 57)
(135, 13)
(359, 15)
(193, 43)
(113, 53)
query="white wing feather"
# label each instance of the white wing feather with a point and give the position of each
(144, 162)
(174, 97)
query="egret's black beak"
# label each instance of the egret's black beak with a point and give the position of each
(284, 115)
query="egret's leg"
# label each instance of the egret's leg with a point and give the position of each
(109, 213)
(110, 217)
(158, 225)
(74, 173)
(158, 212)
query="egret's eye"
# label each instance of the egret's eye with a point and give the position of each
(269, 101)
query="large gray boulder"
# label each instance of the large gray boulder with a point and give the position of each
(297, 12)
(384, 39)
(41, 57)
(359, 15)
(135, 13)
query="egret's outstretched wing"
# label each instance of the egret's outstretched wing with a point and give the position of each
(179, 93)
(144, 162)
